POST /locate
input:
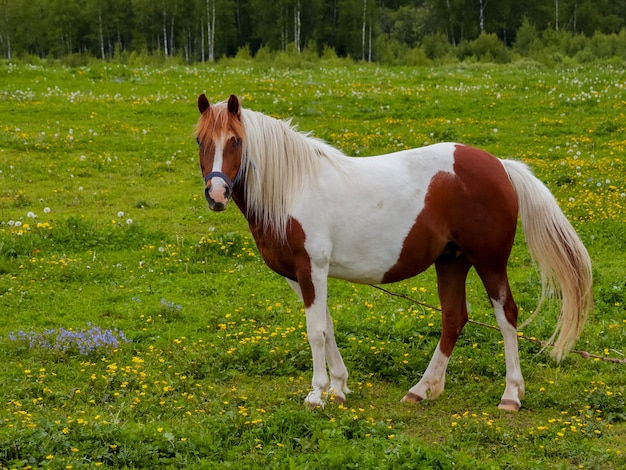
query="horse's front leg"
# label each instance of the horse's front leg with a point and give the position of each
(324, 349)
(338, 370)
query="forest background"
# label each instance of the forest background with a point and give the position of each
(408, 32)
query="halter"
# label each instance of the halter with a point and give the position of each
(219, 174)
(229, 183)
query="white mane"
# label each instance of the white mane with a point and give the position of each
(277, 163)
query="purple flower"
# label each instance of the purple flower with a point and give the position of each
(82, 341)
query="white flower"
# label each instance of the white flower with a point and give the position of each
(31, 215)
(120, 214)
(129, 221)
(46, 210)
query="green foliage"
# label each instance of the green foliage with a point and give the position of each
(527, 38)
(76, 32)
(486, 48)
(437, 46)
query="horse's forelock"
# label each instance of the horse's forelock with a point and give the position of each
(216, 120)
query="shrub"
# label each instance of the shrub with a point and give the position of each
(389, 51)
(243, 53)
(487, 48)
(263, 55)
(437, 46)
(526, 39)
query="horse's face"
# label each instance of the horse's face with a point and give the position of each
(219, 134)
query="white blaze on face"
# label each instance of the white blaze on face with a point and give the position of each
(219, 188)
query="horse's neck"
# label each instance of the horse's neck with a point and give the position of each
(240, 198)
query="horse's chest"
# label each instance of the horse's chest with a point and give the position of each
(286, 256)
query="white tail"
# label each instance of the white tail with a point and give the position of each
(562, 258)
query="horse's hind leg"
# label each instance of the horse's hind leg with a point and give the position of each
(497, 285)
(451, 276)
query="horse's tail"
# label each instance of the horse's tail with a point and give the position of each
(562, 258)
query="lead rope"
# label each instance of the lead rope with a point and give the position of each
(583, 354)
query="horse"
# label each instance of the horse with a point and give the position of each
(315, 213)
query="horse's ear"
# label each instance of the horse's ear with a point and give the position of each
(203, 103)
(233, 106)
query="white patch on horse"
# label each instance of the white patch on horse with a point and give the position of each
(369, 198)
(514, 390)
(218, 191)
(434, 379)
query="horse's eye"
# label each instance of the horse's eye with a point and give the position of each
(198, 141)
(235, 141)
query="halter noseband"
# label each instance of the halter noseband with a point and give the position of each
(219, 174)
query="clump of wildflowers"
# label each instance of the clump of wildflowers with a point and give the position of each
(169, 305)
(82, 341)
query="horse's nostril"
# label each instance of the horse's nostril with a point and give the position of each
(206, 194)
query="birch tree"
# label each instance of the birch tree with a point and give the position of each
(210, 24)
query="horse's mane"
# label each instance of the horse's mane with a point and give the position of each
(278, 162)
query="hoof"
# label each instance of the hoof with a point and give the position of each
(313, 403)
(337, 399)
(509, 405)
(411, 398)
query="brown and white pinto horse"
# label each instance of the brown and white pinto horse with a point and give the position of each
(315, 213)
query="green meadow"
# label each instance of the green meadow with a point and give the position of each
(140, 330)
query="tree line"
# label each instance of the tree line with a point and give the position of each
(208, 30)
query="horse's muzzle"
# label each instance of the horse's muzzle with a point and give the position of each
(217, 197)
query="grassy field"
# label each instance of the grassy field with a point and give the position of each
(140, 330)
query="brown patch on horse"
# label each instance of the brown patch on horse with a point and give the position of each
(219, 118)
(289, 259)
(488, 224)
(472, 212)
(430, 235)
(214, 122)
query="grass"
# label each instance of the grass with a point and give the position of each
(104, 231)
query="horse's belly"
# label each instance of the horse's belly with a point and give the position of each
(359, 251)
(366, 274)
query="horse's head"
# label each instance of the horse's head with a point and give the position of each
(219, 134)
